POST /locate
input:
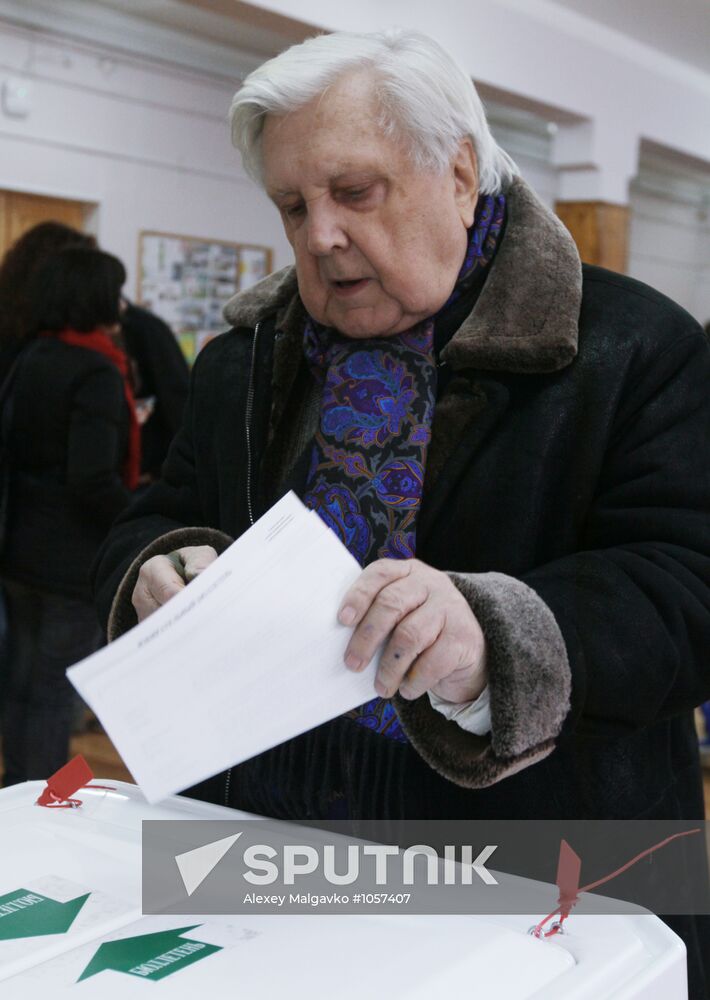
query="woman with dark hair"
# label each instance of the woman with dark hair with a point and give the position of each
(74, 455)
(16, 270)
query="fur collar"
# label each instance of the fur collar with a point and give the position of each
(525, 319)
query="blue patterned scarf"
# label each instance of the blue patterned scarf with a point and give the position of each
(366, 474)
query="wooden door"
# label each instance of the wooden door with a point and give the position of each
(20, 212)
(600, 230)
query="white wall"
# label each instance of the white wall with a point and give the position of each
(527, 140)
(669, 238)
(669, 248)
(147, 143)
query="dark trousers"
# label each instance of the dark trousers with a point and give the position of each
(46, 634)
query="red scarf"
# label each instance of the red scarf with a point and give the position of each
(97, 340)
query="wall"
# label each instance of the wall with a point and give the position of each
(669, 238)
(670, 247)
(145, 142)
(148, 142)
(528, 140)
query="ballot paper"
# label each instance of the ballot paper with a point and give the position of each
(248, 655)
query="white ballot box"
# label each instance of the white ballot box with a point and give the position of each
(71, 927)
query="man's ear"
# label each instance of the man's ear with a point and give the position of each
(465, 173)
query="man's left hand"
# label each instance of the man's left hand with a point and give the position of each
(436, 642)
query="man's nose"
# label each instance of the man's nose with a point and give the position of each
(325, 230)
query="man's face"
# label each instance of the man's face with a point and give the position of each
(378, 243)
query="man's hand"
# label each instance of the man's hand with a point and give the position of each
(436, 642)
(161, 577)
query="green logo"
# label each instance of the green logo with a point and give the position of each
(29, 914)
(149, 956)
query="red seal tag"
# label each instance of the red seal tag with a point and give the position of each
(64, 783)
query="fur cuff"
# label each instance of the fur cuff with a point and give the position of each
(123, 615)
(529, 680)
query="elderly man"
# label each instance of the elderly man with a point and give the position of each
(512, 445)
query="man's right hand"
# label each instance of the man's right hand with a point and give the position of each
(161, 577)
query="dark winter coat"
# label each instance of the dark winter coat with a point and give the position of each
(574, 467)
(567, 490)
(68, 438)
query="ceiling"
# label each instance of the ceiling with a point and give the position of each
(679, 28)
(228, 23)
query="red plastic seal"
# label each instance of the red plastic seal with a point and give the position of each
(64, 783)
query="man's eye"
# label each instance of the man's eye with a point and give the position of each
(294, 211)
(355, 194)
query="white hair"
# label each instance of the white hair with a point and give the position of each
(425, 98)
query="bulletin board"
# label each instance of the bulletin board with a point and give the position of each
(187, 281)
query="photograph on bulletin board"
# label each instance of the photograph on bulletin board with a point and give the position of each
(187, 281)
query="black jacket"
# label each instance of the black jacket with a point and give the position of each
(568, 491)
(68, 438)
(573, 466)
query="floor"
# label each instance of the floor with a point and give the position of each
(105, 762)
